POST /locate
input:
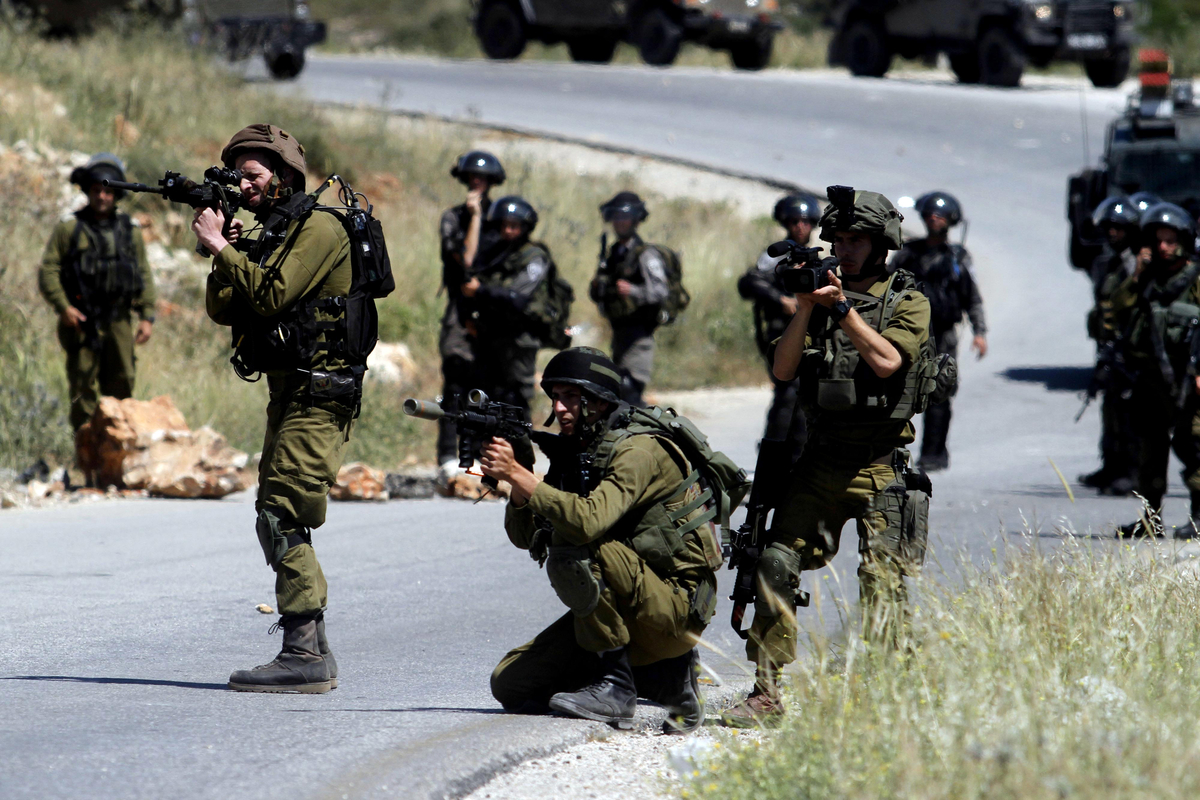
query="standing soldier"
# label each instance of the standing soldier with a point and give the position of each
(944, 271)
(1157, 312)
(463, 234)
(774, 306)
(619, 487)
(1117, 218)
(860, 345)
(632, 286)
(95, 274)
(286, 288)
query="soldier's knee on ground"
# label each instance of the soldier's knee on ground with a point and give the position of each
(570, 572)
(778, 581)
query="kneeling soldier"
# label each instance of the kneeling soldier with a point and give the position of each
(622, 525)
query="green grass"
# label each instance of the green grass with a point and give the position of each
(1069, 673)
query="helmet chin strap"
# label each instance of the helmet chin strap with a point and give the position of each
(276, 191)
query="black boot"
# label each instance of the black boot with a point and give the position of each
(679, 693)
(612, 699)
(299, 667)
(326, 653)
(1099, 479)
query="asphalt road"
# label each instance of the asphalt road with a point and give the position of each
(121, 621)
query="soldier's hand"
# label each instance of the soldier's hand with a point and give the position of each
(72, 317)
(143, 332)
(208, 224)
(498, 459)
(826, 295)
(979, 345)
(1143, 261)
(470, 287)
(235, 230)
(789, 305)
(624, 288)
(1198, 384)
(475, 201)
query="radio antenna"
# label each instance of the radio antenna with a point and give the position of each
(1083, 123)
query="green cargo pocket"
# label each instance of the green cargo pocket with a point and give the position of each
(704, 602)
(915, 536)
(658, 543)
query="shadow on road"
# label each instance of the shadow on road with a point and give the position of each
(118, 681)
(413, 710)
(1055, 379)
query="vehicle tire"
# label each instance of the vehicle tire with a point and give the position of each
(501, 30)
(1001, 58)
(285, 65)
(965, 66)
(752, 54)
(865, 50)
(1109, 72)
(658, 38)
(597, 49)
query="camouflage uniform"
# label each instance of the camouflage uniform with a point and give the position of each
(1118, 443)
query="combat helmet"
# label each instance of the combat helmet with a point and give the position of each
(943, 204)
(1143, 200)
(1169, 215)
(100, 167)
(586, 367)
(624, 205)
(478, 162)
(795, 207)
(1116, 211)
(513, 207)
(261, 136)
(861, 212)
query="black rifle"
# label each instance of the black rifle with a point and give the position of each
(214, 193)
(747, 543)
(477, 423)
(1109, 362)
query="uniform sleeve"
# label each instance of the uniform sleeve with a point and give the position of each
(144, 302)
(758, 283)
(521, 290)
(50, 272)
(218, 299)
(306, 257)
(1126, 295)
(972, 301)
(453, 240)
(908, 328)
(653, 289)
(640, 470)
(518, 524)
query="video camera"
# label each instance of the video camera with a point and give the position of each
(801, 269)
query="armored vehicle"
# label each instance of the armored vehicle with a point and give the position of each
(987, 41)
(592, 28)
(1154, 146)
(279, 30)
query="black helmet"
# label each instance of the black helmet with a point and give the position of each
(586, 367)
(513, 207)
(941, 203)
(100, 167)
(1169, 215)
(625, 205)
(797, 206)
(1116, 211)
(478, 162)
(1143, 200)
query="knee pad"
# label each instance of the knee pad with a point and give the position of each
(275, 540)
(778, 574)
(570, 573)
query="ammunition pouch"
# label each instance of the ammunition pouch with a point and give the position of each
(275, 542)
(704, 602)
(342, 387)
(836, 394)
(904, 505)
(570, 573)
(778, 580)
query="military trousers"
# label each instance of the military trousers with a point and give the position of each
(504, 369)
(458, 365)
(823, 492)
(936, 428)
(638, 609)
(1118, 443)
(633, 353)
(1161, 426)
(302, 452)
(106, 371)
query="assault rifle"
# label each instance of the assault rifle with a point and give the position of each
(477, 423)
(1110, 363)
(748, 541)
(214, 193)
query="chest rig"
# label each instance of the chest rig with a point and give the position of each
(102, 281)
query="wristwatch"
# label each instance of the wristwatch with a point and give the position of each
(839, 310)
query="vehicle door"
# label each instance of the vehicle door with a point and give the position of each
(912, 19)
(574, 14)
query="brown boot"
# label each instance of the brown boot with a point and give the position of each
(299, 667)
(760, 710)
(326, 653)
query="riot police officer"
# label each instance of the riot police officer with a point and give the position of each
(464, 233)
(774, 306)
(944, 271)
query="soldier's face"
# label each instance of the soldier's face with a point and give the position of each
(1167, 245)
(102, 200)
(511, 230)
(852, 250)
(623, 227)
(800, 231)
(936, 224)
(256, 175)
(1116, 235)
(566, 400)
(477, 183)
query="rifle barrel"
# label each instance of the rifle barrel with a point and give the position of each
(131, 187)
(423, 409)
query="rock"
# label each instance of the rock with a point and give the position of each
(37, 490)
(391, 363)
(8, 501)
(359, 482)
(263, 608)
(469, 487)
(412, 484)
(146, 448)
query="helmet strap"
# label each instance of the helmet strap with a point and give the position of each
(276, 191)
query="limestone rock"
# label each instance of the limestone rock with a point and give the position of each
(391, 363)
(146, 446)
(359, 482)
(469, 487)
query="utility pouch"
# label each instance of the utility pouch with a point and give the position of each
(658, 542)
(338, 386)
(704, 602)
(836, 394)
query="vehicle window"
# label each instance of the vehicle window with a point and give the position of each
(1167, 173)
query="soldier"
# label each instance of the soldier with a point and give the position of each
(944, 270)
(463, 234)
(287, 287)
(617, 485)
(1117, 219)
(858, 345)
(1157, 311)
(630, 287)
(95, 274)
(506, 281)
(773, 308)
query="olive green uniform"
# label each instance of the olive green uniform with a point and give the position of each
(302, 449)
(108, 257)
(1118, 443)
(846, 465)
(656, 604)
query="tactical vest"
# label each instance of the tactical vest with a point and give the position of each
(544, 319)
(100, 283)
(628, 268)
(1165, 322)
(944, 281)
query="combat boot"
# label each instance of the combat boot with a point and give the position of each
(326, 653)
(1139, 528)
(762, 709)
(1100, 479)
(299, 667)
(612, 699)
(679, 693)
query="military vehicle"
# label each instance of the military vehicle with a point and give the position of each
(987, 41)
(1154, 146)
(657, 28)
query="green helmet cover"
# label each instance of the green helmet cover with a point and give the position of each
(586, 367)
(872, 213)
